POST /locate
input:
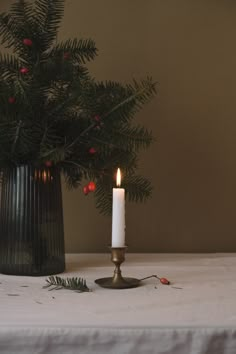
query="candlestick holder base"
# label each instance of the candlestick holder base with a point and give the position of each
(117, 281)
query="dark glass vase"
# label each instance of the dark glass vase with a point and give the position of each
(31, 222)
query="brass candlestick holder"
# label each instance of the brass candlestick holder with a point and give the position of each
(117, 281)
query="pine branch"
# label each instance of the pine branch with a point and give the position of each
(22, 13)
(9, 31)
(56, 111)
(131, 138)
(17, 135)
(72, 174)
(75, 284)
(140, 93)
(117, 103)
(54, 71)
(48, 16)
(23, 92)
(81, 134)
(55, 154)
(9, 68)
(101, 96)
(103, 196)
(138, 188)
(17, 25)
(80, 50)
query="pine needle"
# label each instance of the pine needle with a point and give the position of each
(75, 284)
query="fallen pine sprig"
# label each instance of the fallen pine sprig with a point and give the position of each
(75, 284)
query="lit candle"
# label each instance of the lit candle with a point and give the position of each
(118, 214)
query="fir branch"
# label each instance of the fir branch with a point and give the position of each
(56, 108)
(81, 134)
(9, 30)
(75, 284)
(56, 111)
(141, 93)
(103, 196)
(81, 50)
(17, 135)
(138, 188)
(22, 13)
(9, 68)
(57, 154)
(48, 16)
(24, 97)
(17, 25)
(131, 138)
(72, 174)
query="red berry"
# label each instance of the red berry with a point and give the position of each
(98, 121)
(48, 163)
(92, 151)
(27, 42)
(86, 190)
(66, 55)
(24, 70)
(97, 118)
(91, 186)
(11, 100)
(164, 281)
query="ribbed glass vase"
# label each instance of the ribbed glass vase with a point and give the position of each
(31, 222)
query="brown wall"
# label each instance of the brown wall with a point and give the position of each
(189, 47)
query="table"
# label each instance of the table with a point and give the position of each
(199, 318)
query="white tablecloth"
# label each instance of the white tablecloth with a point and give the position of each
(200, 318)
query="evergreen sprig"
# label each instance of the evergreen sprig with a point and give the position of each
(52, 109)
(81, 50)
(75, 284)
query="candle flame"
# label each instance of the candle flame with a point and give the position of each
(118, 178)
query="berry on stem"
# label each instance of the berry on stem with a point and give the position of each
(86, 190)
(11, 100)
(164, 281)
(24, 70)
(28, 42)
(91, 186)
(97, 118)
(92, 151)
(66, 55)
(48, 163)
(98, 121)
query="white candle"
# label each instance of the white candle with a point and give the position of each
(118, 214)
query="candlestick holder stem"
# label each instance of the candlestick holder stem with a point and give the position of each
(117, 281)
(117, 273)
